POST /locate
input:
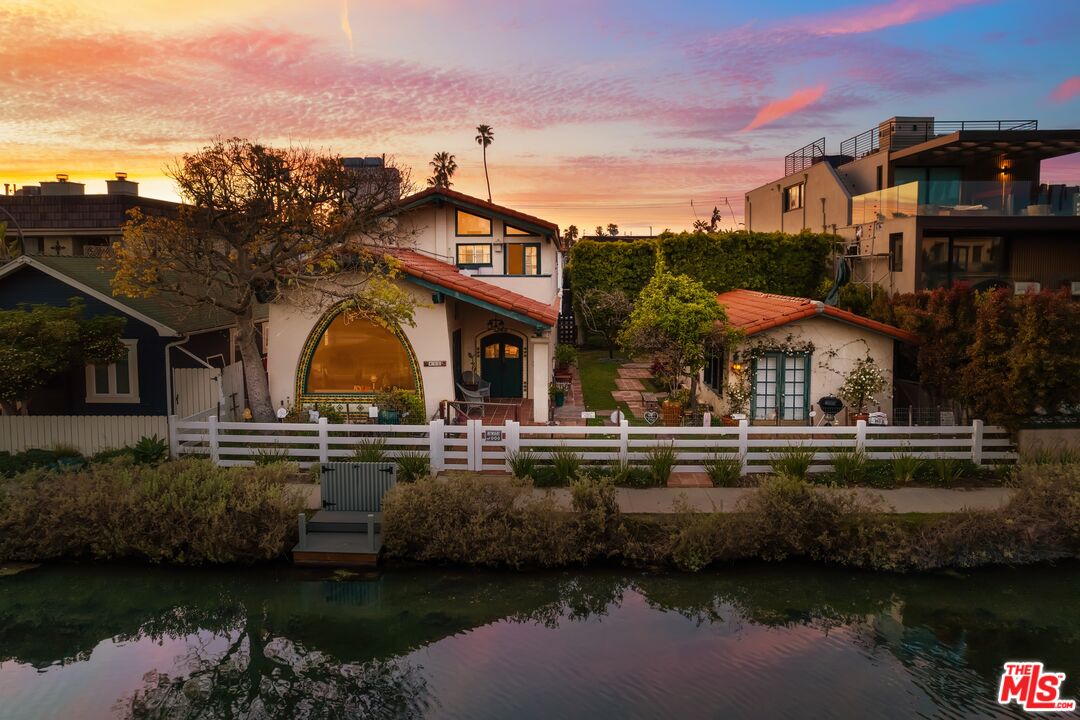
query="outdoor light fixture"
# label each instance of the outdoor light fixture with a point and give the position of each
(737, 366)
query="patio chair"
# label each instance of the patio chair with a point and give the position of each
(472, 399)
(483, 387)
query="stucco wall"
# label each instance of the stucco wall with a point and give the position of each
(290, 326)
(433, 229)
(763, 205)
(848, 342)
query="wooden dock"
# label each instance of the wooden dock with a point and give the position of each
(335, 538)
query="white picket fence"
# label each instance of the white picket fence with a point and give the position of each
(479, 447)
(88, 433)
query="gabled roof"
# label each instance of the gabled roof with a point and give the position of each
(438, 275)
(754, 312)
(86, 275)
(468, 202)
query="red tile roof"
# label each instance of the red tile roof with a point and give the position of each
(754, 312)
(445, 275)
(453, 196)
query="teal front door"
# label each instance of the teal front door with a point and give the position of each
(501, 364)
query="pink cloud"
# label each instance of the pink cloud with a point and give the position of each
(777, 109)
(884, 15)
(1067, 90)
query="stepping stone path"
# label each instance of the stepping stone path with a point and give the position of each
(630, 386)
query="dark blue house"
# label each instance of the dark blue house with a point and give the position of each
(161, 335)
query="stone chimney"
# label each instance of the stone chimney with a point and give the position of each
(122, 186)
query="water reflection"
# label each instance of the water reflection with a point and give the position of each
(281, 643)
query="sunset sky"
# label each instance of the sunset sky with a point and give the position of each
(604, 110)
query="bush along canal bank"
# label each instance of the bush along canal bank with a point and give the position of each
(192, 513)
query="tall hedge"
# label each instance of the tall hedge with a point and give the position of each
(769, 262)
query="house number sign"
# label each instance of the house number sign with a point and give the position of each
(434, 363)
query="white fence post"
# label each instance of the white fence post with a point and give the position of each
(976, 441)
(860, 436)
(513, 439)
(324, 441)
(706, 419)
(437, 445)
(624, 441)
(212, 432)
(174, 442)
(474, 447)
(744, 444)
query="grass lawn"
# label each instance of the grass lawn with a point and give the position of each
(598, 373)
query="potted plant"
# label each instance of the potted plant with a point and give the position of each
(565, 356)
(557, 394)
(860, 386)
(672, 407)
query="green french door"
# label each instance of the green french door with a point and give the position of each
(781, 384)
(502, 363)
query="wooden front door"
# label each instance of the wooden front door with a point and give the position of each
(501, 364)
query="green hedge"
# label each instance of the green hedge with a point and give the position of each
(495, 522)
(769, 262)
(187, 512)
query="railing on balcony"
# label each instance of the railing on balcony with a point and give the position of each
(804, 157)
(903, 134)
(966, 199)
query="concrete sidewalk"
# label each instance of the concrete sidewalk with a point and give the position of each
(904, 500)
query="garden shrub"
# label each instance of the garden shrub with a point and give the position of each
(724, 469)
(661, 460)
(565, 464)
(185, 512)
(522, 463)
(850, 467)
(792, 461)
(413, 465)
(369, 449)
(150, 450)
(905, 467)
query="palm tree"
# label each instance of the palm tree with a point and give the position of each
(485, 135)
(570, 234)
(443, 166)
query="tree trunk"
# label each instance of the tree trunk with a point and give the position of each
(255, 381)
(693, 391)
(486, 180)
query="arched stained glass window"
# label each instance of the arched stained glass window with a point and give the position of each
(359, 356)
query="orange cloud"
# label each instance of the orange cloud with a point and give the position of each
(777, 109)
(1067, 90)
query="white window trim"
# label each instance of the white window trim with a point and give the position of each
(92, 396)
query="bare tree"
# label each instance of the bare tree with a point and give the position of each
(263, 224)
(604, 312)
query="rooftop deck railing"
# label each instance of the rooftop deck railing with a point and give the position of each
(966, 199)
(900, 134)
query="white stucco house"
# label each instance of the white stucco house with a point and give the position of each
(794, 352)
(487, 282)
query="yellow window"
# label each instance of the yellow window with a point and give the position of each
(469, 224)
(359, 356)
(523, 259)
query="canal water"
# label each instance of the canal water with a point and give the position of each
(780, 641)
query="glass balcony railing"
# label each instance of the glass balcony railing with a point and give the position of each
(967, 199)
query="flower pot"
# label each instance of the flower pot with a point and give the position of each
(729, 421)
(560, 400)
(856, 417)
(389, 417)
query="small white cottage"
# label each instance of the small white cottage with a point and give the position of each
(487, 281)
(794, 352)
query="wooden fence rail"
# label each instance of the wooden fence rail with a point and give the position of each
(87, 433)
(479, 447)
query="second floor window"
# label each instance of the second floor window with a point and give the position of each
(793, 196)
(523, 259)
(474, 255)
(468, 224)
(896, 252)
